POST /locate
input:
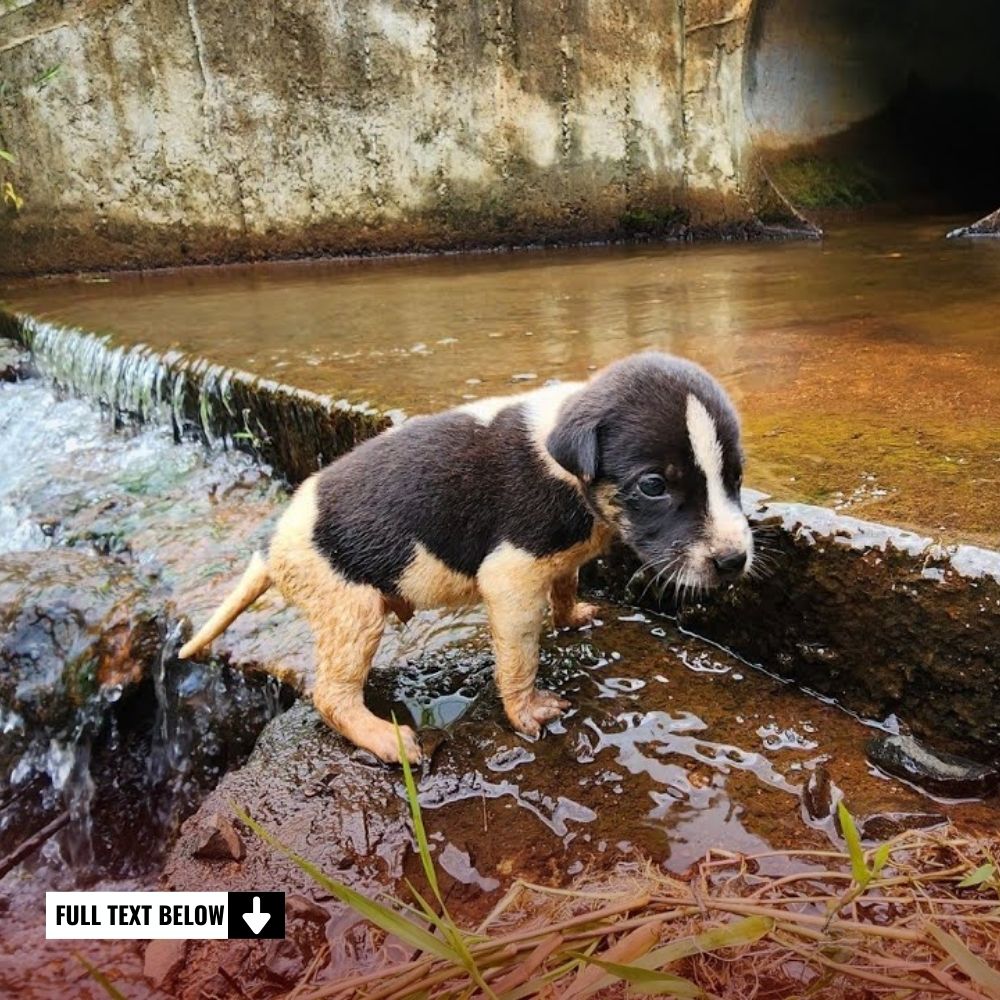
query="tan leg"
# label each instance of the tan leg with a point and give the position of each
(567, 611)
(515, 589)
(347, 623)
(347, 637)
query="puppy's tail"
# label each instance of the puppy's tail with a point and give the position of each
(254, 582)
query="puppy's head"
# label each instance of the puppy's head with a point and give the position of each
(655, 442)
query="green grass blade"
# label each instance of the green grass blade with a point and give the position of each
(100, 978)
(859, 868)
(423, 846)
(984, 873)
(972, 965)
(382, 916)
(647, 981)
(881, 859)
(734, 935)
(444, 921)
(4, 155)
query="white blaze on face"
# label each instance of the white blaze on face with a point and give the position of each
(726, 523)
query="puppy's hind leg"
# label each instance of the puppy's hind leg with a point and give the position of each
(515, 590)
(567, 611)
(348, 628)
(347, 622)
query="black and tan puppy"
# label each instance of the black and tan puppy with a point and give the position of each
(500, 502)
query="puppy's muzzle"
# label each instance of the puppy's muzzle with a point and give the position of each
(730, 564)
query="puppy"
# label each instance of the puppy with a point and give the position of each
(500, 502)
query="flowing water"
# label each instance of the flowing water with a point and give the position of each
(826, 346)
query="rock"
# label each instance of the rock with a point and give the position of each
(76, 634)
(884, 826)
(944, 774)
(15, 363)
(299, 907)
(989, 225)
(284, 961)
(220, 840)
(162, 961)
(817, 794)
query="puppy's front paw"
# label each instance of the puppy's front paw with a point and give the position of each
(529, 713)
(577, 616)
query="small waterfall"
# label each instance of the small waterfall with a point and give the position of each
(294, 431)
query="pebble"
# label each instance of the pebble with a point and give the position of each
(817, 794)
(300, 907)
(939, 773)
(219, 841)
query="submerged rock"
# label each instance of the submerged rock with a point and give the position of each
(884, 826)
(15, 363)
(944, 774)
(72, 625)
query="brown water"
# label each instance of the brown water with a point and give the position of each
(865, 365)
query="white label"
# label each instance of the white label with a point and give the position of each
(83, 916)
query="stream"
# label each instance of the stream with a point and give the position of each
(673, 746)
(113, 754)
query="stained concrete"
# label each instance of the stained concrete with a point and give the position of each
(177, 131)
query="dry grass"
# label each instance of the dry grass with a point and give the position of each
(781, 924)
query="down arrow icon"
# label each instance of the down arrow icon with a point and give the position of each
(256, 919)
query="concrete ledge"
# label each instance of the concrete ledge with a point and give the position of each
(294, 431)
(884, 621)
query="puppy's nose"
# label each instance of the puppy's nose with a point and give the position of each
(730, 564)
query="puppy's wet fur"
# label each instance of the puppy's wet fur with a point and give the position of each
(500, 502)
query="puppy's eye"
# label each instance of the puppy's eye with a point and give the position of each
(652, 485)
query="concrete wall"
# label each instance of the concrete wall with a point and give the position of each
(178, 131)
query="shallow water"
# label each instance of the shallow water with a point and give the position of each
(866, 365)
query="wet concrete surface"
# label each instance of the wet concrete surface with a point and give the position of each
(828, 348)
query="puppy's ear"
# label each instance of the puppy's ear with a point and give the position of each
(573, 442)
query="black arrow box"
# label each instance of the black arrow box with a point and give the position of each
(271, 903)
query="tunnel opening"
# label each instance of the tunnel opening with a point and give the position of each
(854, 104)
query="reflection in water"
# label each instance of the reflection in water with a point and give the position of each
(866, 365)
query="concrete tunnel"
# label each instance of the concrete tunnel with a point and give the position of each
(859, 101)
